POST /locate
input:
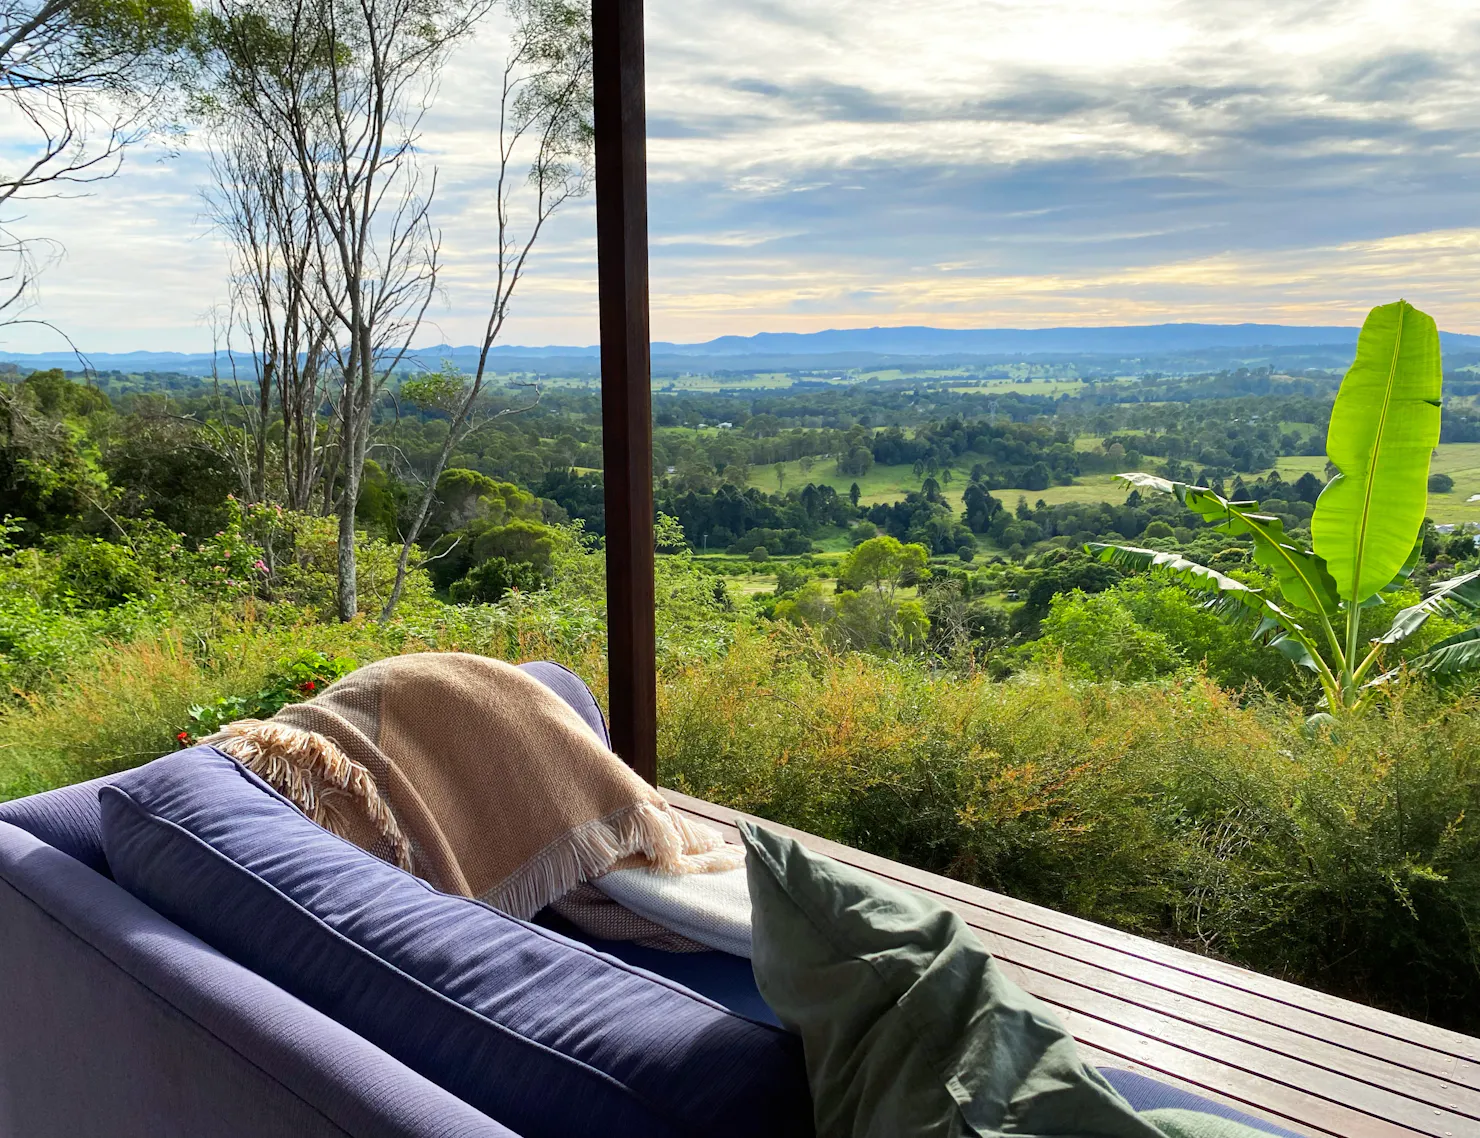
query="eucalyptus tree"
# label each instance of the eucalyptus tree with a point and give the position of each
(1366, 531)
(545, 134)
(259, 204)
(342, 87)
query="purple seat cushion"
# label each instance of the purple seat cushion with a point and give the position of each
(727, 980)
(1149, 1094)
(543, 1034)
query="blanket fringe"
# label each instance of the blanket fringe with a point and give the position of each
(313, 773)
(668, 840)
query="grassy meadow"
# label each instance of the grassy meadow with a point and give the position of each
(1461, 461)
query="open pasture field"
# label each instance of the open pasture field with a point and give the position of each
(1461, 461)
(1046, 386)
(892, 483)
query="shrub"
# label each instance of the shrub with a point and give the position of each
(789, 579)
(491, 580)
(1341, 861)
(1460, 547)
(96, 574)
(1097, 637)
(296, 677)
(1440, 484)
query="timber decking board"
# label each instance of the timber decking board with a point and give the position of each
(1306, 1060)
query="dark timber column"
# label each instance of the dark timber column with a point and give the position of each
(626, 378)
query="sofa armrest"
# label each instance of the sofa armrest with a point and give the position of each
(115, 1022)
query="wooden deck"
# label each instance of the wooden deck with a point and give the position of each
(1310, 1062)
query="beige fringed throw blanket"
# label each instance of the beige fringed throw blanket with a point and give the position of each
(473, 775)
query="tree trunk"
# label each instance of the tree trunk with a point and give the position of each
(264, 409)
(349, 600)
(420, 520)
(349, 493)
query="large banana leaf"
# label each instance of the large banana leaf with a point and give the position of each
(1303, 577)
(1452, 654)
(1450, 598)
(1228, 597)
(1408, 567)
(1384, 426)
(1456, 653)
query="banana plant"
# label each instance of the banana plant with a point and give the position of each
(1365, 532)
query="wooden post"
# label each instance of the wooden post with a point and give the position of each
(626, 378)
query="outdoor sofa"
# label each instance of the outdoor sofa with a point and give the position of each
(116, 1021)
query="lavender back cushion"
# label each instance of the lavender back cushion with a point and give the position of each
(543, 1034)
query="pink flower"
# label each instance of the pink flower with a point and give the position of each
(260, 565)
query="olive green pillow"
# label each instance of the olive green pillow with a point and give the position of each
(908, 1025)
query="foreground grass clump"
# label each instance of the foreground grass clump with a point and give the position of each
(1346, 861)
(125, 704)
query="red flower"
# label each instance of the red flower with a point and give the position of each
(183, 738)
(307, 685)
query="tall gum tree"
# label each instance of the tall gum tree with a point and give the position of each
(342, 87)
(544, 134)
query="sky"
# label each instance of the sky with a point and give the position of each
(964, 163)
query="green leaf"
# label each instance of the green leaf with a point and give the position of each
(1453, 597)
(1456, 653)
(1294, 651)
(1383, 428)
(1408, 567)
(1230, 598)
(1303, 577)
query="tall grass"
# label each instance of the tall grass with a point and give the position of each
(1348, 861)
(123, 703)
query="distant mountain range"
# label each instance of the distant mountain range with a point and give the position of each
(1148, 339)
(1163, 346)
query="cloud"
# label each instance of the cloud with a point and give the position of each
(964, 163)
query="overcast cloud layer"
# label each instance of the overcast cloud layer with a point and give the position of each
(964, 163)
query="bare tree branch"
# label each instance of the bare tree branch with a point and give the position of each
(544, 118)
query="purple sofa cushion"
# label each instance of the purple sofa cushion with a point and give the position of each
(66, 819)
(113, 1021)
(1150, 1094)
(548, 1036)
